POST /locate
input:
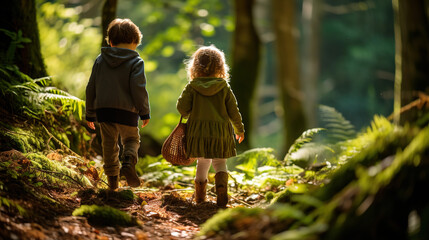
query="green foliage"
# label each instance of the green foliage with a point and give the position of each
(33, 97)
(11, 204)
(24, 140)
(105, 216)
(383, 171)
(319, 145)
(285, 195)
(249, 161)
(156, 171)
(337, 127)
(166, 89)
(17, 41)
(225, 218)
(36, 101)
(69, 44)
(55, 172)
(305, 137)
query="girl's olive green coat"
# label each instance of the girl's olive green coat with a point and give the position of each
(211, 107)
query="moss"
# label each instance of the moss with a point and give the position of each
(123, 195)
(105, 216)
(22, 139)
(60, 173)
(223, 219)
(269, 196)
(285, 195)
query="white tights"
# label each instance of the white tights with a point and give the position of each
(203, 167)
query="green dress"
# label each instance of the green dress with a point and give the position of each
(213, 116)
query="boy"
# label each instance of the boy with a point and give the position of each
(116, 97)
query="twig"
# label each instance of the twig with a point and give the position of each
(61, 143)
(423, 99)
(241, 201)
(57, 173)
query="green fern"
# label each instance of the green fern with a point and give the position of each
(34, 96)
(337, 127)
(305, 137)
(249, 161)
(319, 145)
(70, 103)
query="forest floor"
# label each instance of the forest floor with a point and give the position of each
(161, 213)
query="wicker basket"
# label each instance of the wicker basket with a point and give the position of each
(174, 147)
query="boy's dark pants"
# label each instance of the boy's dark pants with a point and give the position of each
(109, 135)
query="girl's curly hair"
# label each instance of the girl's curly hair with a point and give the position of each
(207, 61)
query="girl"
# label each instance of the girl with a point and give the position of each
(210, 106)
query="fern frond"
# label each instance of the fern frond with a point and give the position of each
(338, 128)
(43, 81)
(69, 102)
(249, 161)
(305, 137)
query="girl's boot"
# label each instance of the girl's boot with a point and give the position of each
(221, 181)
(200, 191)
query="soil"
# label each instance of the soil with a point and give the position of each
(163, 213)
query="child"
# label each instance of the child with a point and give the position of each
(210, 106)
(116, 97)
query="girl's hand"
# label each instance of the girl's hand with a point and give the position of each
(239, 137)
(145, 122)
(91, 125)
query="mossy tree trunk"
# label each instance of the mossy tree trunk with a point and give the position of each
(412, 53)
(245, 63)
(108, 15)
(288, 78)
(20, 16)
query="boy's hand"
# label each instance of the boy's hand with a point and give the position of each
(239, 137)
(145, 122)
(91, 125)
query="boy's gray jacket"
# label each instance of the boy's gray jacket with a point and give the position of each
(116, 91)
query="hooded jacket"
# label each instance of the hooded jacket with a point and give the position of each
(213, 116)
(116, 91)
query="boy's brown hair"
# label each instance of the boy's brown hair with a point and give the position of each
(123, 31)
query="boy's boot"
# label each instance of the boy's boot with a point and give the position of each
(128, 170)
(221, 181)
(113, 182)
(200, 191)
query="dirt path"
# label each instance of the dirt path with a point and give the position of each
(161, 215)
(29, 210)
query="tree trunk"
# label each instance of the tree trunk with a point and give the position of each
(108, 15)
(288, 70)
(412, 54)
(16, 16)
(245, 63)
(310, 57)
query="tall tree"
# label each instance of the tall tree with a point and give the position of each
(311, 18)
(288, 70)
(108, 15)
(412, 53)
(18, 23)
(245, 63)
